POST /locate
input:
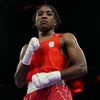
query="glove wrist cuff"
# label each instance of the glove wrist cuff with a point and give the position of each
(54, 76)
(27, 57)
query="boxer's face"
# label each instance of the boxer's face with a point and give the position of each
(45, 19)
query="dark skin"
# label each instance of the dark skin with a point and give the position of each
(45, 22)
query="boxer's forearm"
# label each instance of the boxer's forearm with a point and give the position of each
(20, 75)
(74, 71)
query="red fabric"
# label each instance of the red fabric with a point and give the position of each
(76, 86)
(56, 92)
(46, 58)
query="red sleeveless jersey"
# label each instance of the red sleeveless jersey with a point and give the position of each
(47, 58)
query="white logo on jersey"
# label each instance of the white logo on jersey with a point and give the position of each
(51, 44)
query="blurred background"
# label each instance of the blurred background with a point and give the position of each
(82, 18)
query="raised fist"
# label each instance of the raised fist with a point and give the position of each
(34, 44)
